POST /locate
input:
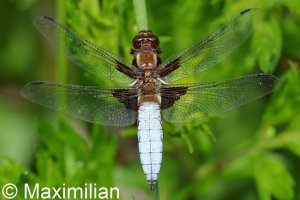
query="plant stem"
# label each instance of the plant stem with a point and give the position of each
(156, 192)
(141, 14)
(61, 63)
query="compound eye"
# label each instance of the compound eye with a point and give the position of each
(137, 42)
(154, 42)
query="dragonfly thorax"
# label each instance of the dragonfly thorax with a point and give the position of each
(146, 59)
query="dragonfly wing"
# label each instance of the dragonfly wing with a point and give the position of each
(93, 104)
(85, 54)
(210, 51)
(204, 100)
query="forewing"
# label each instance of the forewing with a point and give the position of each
(204, 100)
(85, 54)
(212, 50)
(93, 104)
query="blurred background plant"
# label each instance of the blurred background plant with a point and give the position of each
(249, 153)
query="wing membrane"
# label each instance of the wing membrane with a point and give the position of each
(85, 54)
(92, 104)
(212, 50)
(204, 100)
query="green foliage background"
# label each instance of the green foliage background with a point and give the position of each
(249, 153)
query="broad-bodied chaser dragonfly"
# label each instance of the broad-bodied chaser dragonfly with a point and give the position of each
(148, 93)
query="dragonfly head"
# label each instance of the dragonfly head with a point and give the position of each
(145, 39)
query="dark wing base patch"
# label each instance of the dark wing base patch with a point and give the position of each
(127, 97)
(170, 95)
(170, 67)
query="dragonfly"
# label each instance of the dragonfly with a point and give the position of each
(147, 91)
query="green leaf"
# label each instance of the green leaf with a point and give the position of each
(267, 44)
(49, 170)
(206, 129)
(203, 139)
(51, 139)
(55, 140)
(102, 156)
(188, 142)
(272, 178)
(284, 105)
(289, 140)
(75, 142)
(63, 151)
(10, 170)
